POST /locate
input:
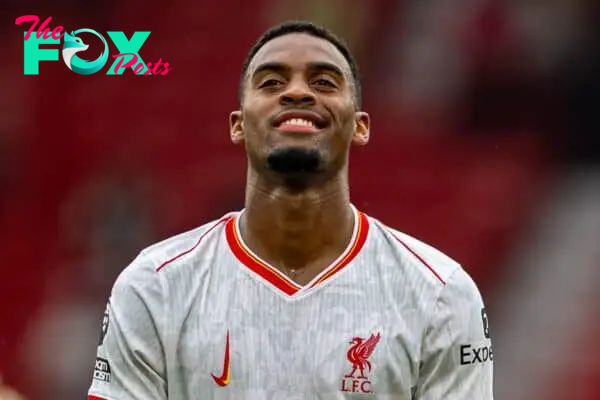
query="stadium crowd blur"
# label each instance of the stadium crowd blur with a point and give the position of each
(484, 117)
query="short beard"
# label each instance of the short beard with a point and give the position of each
(297, 166)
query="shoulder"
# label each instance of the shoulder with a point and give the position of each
(434, 277)
(454, 302)
(145, 270)
(172, 250)
(449, 304)
(418, 257)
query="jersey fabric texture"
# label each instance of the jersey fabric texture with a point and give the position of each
(200, 316)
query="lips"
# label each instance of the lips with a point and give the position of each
(300, 119)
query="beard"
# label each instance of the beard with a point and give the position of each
(294, 161)
(297, 166)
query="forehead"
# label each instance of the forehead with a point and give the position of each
(297, 50)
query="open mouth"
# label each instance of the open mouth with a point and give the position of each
(300, 121)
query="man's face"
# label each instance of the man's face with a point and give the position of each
(298, 114)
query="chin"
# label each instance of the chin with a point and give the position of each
(295, 160)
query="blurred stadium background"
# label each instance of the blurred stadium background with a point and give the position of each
(486, 144)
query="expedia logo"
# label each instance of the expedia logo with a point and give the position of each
(470, 354)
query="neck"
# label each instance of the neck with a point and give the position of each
(297, 230)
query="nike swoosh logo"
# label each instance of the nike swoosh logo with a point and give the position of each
(223, 380)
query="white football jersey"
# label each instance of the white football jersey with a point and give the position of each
(200, 316)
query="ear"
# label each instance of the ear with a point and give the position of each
(361, 129)
(236, 127)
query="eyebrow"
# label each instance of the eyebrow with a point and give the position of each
(326, 66)
(313, 66)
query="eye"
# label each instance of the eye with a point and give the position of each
(270, 82)
(324, 82)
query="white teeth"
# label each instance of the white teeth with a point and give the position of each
(299, 121)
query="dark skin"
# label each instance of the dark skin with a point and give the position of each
(300, 222)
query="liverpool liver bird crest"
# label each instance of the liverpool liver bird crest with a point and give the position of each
(359, 353)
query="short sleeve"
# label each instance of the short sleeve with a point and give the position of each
(130, 362)
(457, 356)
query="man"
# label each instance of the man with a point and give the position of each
(300, 295)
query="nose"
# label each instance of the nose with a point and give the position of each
(297, 92)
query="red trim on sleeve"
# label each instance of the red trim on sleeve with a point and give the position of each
(418, 257)
(219, 222)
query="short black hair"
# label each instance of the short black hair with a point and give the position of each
(311, 29)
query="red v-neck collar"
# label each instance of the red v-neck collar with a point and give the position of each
(274, 276)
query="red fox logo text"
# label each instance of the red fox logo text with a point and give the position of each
(356, 381)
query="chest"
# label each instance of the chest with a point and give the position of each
(339, 341)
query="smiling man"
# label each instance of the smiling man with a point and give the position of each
(299, 295)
